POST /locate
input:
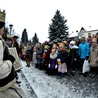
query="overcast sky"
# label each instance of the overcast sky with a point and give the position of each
(36, 15)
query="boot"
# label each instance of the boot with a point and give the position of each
(62, 75)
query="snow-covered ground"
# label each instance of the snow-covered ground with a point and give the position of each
(29, 92)
(51, 87)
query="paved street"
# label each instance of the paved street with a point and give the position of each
(51, 87)
(29, 92)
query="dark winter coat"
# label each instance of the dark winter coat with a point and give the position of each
(28, 53)
(63, 57)
(73, 55)
(39, 54)
(46, 59)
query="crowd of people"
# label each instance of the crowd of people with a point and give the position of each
(55, 58)
(65, 57)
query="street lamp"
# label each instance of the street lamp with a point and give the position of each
(10, 28)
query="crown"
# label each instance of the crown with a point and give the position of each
(9, 36)
(2, 16)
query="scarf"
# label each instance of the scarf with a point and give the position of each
(53, 56)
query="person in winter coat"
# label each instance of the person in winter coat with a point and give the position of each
(94, 58)
(45, 57)
(28, 56)
(67, 50)
(8, 86)
(55, 47)
(73, 57)
(96, 37)
(16, 44)
(61, 59)
(89, 39)
(34, 55)
(39, 54)
(52, 67)
(83, 53)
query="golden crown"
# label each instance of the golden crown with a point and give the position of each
(2, 16)
(9, 36)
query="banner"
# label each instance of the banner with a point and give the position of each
(17, 64)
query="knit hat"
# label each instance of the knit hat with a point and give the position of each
(72, 42)
(62, 45)
(38, 45)
(65, 42)
(54, 46)
(46, 47)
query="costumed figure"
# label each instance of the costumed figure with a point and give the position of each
(34, 55)
(45, 57)
(52, 67)
(28, 56)
(8, 86)
(61, 59)
(39, 54)
(73, 57)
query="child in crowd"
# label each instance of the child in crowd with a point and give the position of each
(28, 56)
(52, 67)
(34, 56)
(39, 54)
(73, 57)
(45, 57)
(62, 57)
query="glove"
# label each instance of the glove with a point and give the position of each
(11, 58)
(56, 66)
(87, 57)
(49, 66)
(75, 59)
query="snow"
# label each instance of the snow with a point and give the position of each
(45, 86)
(29, 92)
(73, 34)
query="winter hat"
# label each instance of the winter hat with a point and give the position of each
(46, 47)
(54, 46)
(15, 36)
(65, 42)
(38, 45)
(72, 42)
(62, 45)
(2, 18)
